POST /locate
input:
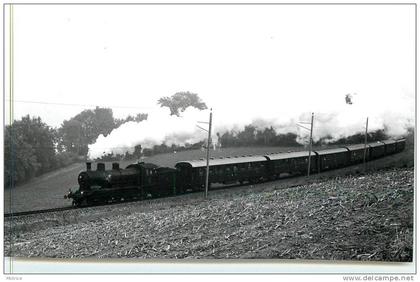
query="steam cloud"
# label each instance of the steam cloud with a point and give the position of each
(343, 120)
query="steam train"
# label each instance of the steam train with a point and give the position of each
(145, 180)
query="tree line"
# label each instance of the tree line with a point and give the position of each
(31, 147)
(251, 136)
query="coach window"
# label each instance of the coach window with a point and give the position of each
(221, 170)
(230, 172)
(235, 169)
(149, 180)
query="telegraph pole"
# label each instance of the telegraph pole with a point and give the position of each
(208, 150)
(208, 155)
(310, 139)
(364, 154)
(310, 145)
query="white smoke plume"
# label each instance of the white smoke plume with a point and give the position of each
(160, 127)
(394, 116)
(342, 120)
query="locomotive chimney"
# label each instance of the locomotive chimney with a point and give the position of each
(88, 166)
(116, 166)
(100, 167)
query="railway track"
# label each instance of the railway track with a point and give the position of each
(299, 180)
(12, 214)
(148, 201)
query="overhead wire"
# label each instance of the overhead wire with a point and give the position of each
(76, 105)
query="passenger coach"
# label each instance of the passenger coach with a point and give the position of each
(291, 163)
(227, 170)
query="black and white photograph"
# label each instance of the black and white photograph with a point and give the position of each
(240, 134)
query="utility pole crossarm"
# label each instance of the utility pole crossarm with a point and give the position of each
(310, 145)
(208, 155)
(364, 153)
(208, 150)
(202, 128)
(303, 127)
(310, 139)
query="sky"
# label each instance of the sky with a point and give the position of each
(261, 64)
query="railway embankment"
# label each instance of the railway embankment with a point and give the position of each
(347, 217)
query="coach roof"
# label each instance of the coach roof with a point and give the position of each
(357, 147)
(282, 156)
(390, 141)
(376, 144)
(222, 161)
(332, 151)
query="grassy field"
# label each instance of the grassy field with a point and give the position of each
(48, 190)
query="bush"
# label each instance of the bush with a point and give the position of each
(65, 159)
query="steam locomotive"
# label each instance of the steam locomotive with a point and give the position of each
(145, 180)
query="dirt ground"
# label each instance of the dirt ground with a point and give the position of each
(349, 217)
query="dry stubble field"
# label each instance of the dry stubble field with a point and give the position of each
(353, 217)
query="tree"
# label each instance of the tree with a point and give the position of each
(29, 149)
(180, 101)
(228, 139)
(137, 152)
(77, 133)
(83, 129)
(138, 118)
(288, 139)
(266, 137)
(247, 136)
(20, 162)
